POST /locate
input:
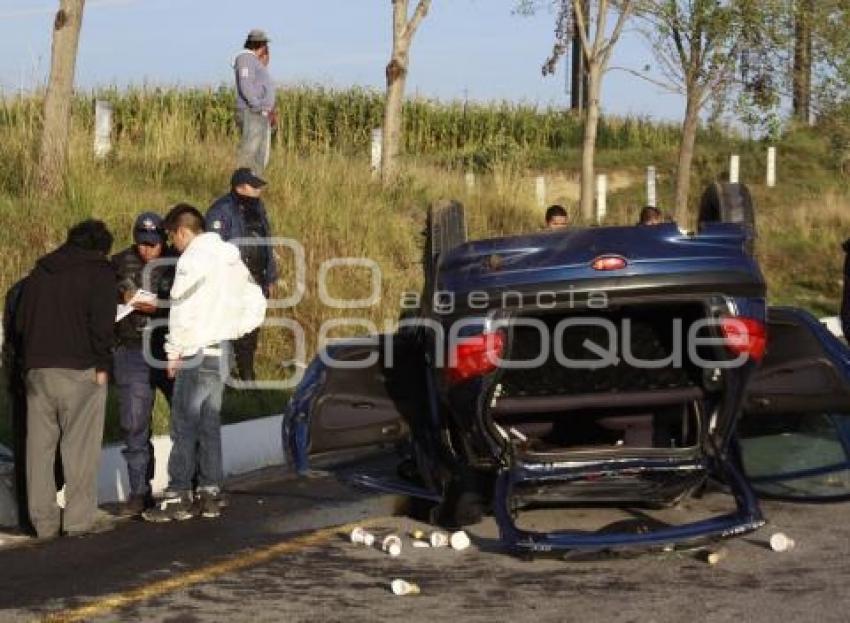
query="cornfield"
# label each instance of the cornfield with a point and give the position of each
(315, 118)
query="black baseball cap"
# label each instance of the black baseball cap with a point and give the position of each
(148, 229)
(246, 176)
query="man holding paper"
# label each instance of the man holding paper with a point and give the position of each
(143, 277)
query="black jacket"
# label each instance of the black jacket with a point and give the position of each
(129, 269)
(67, 311)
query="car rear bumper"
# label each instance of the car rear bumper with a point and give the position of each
(746, 518)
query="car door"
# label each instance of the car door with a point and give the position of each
(794, 435)
(360, 405)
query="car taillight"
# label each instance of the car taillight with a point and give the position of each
(609, 262)
(745, 336)
(475, 356)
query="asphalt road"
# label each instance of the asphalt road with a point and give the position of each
(276, 555)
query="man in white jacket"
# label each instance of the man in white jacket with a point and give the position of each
(213, 301)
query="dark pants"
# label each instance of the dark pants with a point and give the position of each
(137, 383)
(196, 426)
(245, 348)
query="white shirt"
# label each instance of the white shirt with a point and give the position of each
(213, 298)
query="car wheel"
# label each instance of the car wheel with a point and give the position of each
(445, 230)
(729, 203)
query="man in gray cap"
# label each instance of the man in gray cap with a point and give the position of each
(255, 102)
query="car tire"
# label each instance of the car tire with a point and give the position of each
(729, 203)
(445, 230)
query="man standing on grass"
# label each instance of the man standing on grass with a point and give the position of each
(255, 102)
(213, 300)
(136, 378)
(241, 215)
(66, 318)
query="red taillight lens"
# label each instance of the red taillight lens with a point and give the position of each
(744, 336)
(609, 262)
(475, 356)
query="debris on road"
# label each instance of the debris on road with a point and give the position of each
(420, 544)
(460, 540)
(713, 556)
(401, 587)
(780, 542)
(392, 545)
(359, 536)
(439, 539)
(417, 535)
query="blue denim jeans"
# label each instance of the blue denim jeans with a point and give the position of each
(196, 425)
(137, 383)
(255, 142)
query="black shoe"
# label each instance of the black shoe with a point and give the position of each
(172, 507)
(134, 506)
(210, 504)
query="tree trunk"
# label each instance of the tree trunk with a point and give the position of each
(591, 123)
(686, 156)
(802, 73)
(53, 153)
(403, 31)
(392, 131)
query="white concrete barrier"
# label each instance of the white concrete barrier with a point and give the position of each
(246, 446)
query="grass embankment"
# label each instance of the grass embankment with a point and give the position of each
(179, 146)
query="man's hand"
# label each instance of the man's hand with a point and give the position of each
(273, 119)
(173, 367)
(145, 308)
(101, 377)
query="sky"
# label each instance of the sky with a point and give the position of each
(465, 49)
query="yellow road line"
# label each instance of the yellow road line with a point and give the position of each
(250, 558)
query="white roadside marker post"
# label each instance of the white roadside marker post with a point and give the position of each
(601, 198)
(771, 167)
(102, 129)
(377, 138)
(651, 196)
(470, 181)
(540, 191)
(734, 169)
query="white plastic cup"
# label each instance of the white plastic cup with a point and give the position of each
(780, 542)
(439, 539)
(401, 587)
(359, 536)
(392, 545)
(460, 540)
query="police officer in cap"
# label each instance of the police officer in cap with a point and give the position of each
(240, 216)
(137, 372)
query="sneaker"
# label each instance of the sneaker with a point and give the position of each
(210, 504)
(133, 507)
(172, 507)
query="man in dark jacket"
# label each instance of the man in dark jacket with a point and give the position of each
(240, 217)
(66, 318)
(138, 376)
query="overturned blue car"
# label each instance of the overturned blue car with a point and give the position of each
(619, 366)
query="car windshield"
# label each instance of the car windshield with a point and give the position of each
(800, 455)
